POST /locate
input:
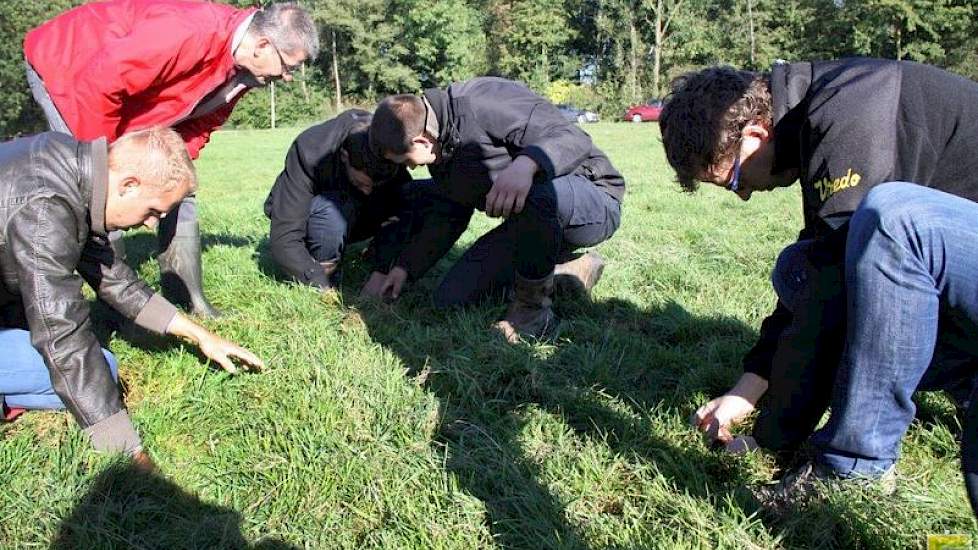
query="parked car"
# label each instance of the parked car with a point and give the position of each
(648, 112)
(580, 116)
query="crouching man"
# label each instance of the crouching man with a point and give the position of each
(841, 129)
(494, 145)
(59, 198)
(332, 191)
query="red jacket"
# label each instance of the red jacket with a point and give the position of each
(122, 65)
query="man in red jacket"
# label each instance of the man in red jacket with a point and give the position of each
(107, 68)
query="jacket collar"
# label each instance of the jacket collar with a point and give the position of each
(789, 87)
(443, 108)
(94, 166)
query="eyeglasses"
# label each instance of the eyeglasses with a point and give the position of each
(733, 184)
(286, 68)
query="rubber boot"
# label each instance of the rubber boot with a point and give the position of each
(180, 272)
(530, 313)
(579, 275)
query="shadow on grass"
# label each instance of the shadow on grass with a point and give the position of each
(613, 365)
(129, 508)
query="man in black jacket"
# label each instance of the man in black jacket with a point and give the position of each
(494, 145)
(59, 198)
(841, 128)
(331, 191)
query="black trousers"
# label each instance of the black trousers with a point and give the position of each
(559, 216)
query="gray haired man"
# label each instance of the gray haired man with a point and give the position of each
(107, 68)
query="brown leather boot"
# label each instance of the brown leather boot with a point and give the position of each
(579, 275)
(529, 314)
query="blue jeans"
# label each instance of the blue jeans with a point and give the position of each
(559, 216)
(911, 262)
(24, 379)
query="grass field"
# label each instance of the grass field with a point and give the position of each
(405, 427)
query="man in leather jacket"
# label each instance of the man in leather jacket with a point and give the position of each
(59, 198)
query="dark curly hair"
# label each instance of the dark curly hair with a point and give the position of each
(704, 113)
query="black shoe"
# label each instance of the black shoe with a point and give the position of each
(810, 480)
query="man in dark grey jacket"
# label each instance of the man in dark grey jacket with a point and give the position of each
(494, 145)
(59, 198)
(332, 190)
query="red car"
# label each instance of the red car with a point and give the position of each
(648, 112)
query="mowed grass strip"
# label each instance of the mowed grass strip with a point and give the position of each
(402, 426)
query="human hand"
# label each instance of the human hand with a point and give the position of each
(221, 351)
(380, 286)
(364, 185)
(372, 288)
(512, 185)
(715, 417)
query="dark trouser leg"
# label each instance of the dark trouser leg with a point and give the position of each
(331, 218)
(592, 217)
(804, 365)
(181, 274)
(585, 215)
(486, 269)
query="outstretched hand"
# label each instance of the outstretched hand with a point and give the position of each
(715, 417)
(222, 352)
(382, 286)
(216, 349)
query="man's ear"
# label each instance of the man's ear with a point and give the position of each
(129, 185)
(260, 42)
(423, 140)
(759, 130)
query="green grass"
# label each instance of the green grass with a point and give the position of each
(406, 427)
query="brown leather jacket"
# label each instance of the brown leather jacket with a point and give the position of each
(52, 236)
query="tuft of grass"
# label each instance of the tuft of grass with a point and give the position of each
(401, 426)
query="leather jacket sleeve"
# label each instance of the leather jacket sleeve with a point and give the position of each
(117, 285)
(57, 312)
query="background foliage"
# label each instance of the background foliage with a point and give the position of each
(619, 51)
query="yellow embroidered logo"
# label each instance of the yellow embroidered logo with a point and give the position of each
(949, 542)
(827, 187)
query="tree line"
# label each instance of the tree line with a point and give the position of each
(601, 55)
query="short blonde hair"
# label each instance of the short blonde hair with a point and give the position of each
(157, 154)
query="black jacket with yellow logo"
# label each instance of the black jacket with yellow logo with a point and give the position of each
(851, 124)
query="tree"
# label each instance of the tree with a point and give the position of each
(18, 113)
(532, 35)
(446, 41)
